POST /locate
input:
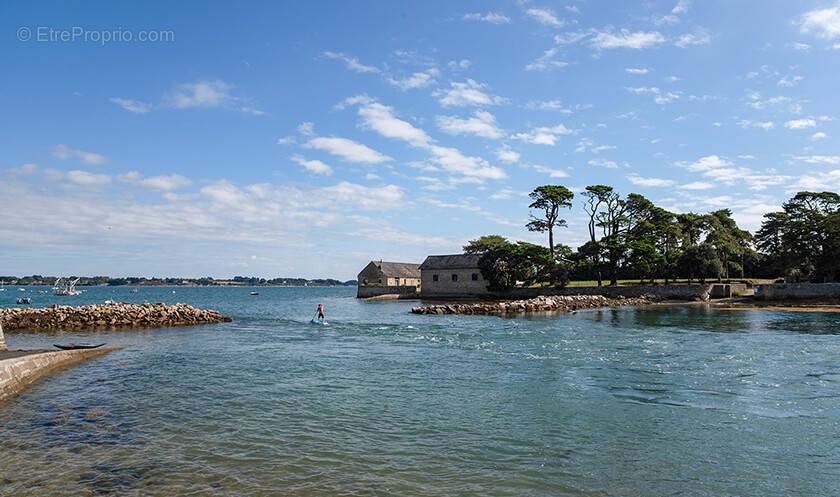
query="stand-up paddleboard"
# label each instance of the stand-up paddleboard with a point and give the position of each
(315, 321)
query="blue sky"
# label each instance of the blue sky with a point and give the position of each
(305, 139)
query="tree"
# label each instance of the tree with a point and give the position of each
(595, 195)
(804, 239)
(484, 244)
(701, 261)
(549, 199)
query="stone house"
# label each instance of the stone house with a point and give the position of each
(455, 275)
(390, 274)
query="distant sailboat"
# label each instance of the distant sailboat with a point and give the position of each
(68, 289)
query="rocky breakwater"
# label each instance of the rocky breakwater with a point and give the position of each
(93, 317)
(559, 303)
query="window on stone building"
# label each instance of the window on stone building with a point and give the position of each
(454, 277)
(435, 277)
(475, 276)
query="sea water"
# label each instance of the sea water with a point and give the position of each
(659, 401)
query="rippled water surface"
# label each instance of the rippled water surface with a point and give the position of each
(671, 401)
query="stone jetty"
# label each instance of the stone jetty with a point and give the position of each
(106, 316)
(561, 303)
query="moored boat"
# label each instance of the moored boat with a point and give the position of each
(74, 346)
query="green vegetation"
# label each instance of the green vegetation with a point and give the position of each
(630, 238)
(803, 240)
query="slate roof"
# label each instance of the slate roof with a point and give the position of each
(399, 269)
(455, 261)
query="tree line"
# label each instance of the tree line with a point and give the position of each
(632, 238)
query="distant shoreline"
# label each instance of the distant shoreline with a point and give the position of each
(141, 285)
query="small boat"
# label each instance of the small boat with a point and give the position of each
(68, 289)
(133, 290)
(24, 300)
(21, 289)
(74, 346)
(110, 302)
(255, 293)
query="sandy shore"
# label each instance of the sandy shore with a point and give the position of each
(803, 305)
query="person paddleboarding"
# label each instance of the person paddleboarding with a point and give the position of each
(321, 316)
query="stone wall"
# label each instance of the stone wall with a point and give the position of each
(18, 373)
(93, 317)
(798, 291)
(445, 287)
(556, 303)
(726, 290)
(405, 292)
(2, 339)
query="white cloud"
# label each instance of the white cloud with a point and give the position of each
(765, 125)
(503, 194)
(640, 70)
(548, 105)
(163, 183)
(352, 63)
(416, 80)
(552, 173)
(604, 40)
(724, 171)
(466, 94)
(681, 7)
(166, 183)
(453, 161)
(801, 124)
(64, 152)
(506, 154)
(825, 23)
(819, 135)
(202, 94)
(543, 135)
(649, 182)
(818, 181)
(481, 124)
(314, 166)
(491, 17)
(570, 37)
(698, 37)
(697, 185)
(135, 106)
(659, 96)
(546, 61)
(820, 159)
(459, 64)
(250, 110)
(790, 81)
(801, 46)
(306, 129)
(347, 150)
(381, 118)
(288, 140)
(77, 177)
(603, 163)
(705, 164)
(546, 17)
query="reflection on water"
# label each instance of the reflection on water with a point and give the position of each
(672, 400)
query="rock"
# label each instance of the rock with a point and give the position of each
(58, 317)
(537, 304)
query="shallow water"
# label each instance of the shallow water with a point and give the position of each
(670, 401)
